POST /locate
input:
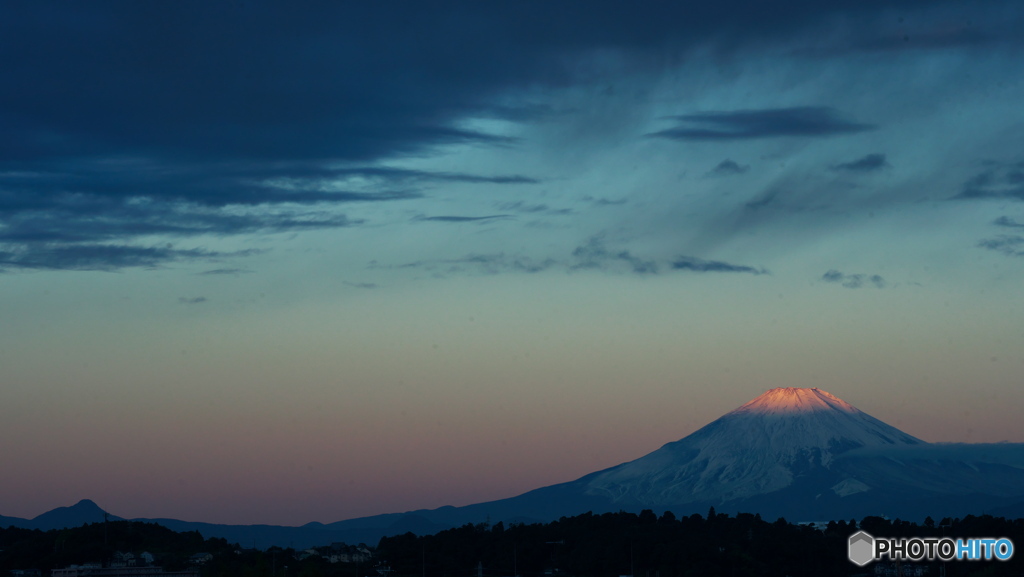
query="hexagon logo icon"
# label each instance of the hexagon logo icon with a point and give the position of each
(861, 548)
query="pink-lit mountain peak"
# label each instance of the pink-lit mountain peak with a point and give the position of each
(787, 400)
(760, 447)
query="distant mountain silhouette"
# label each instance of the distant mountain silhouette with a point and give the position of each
(81, 513)
(13, 521)
(802, 454)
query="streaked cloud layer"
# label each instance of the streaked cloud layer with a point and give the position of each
(493, 228)
(805, 121)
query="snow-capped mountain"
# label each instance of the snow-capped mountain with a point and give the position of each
(791, 452)
(758, 448)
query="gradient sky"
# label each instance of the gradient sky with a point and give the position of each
(261, 264)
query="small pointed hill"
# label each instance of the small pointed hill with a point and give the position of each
(82, 512)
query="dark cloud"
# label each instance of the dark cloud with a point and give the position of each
(694, 264)
(604, 201)
(195, 185)
(464, 218)
(997, 181)
(391, 175)
(92, 220)
(806, 121)
(1007, 222)
(105, 257)
(1010, 245)
(45, 212)
(88, 211)
(362, 285)
(728, 167)
(853, 281)
(804, 191)
(125, 119)
(593, 254)
(763, 199)
(832, 276)
(493, 263)
(227, 271)
(869, 163)
(538, 209)
(128, 122)
(191, 301)
(520, 206)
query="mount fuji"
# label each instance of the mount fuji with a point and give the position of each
(773, 442)
(797, 453)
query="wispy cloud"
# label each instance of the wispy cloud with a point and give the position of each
(105, 220)
(92, 217)
(226, 271)
(998, 181)
(91, 211)
(192, 300)
(600, 201)
(594, 254)
(537, 209)
(728, 167)
(694, 264)
(853, 281)
(102, 257)
(763, 199)
(392, 175)
(492, 263)
(1010, 245)
(869, 163)
(454, 218)
(806, 121)
(1007, 222)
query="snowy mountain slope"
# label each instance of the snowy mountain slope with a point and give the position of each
(791, 452)
(758, 448)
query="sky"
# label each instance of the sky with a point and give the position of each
(264, 264)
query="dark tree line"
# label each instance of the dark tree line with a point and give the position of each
(97, 543)
(588, 545)
(646, 545)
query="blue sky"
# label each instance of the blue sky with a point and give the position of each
(362, 258)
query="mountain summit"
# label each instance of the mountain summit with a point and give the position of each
(795, 400)
(787, 421)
